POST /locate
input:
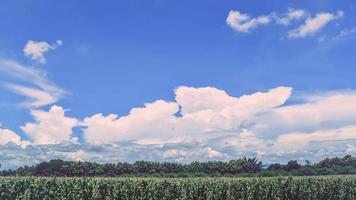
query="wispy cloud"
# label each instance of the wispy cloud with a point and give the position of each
(293, 14)
(314, 24)
(35, 49)
(37, 98)
(242, 22)
(345, 33)
(34, 84)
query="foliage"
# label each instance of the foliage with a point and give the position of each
(239, 167)
(71, 168)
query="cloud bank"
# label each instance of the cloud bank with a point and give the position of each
(200, 124)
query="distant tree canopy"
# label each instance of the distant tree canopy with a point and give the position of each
(246, 166)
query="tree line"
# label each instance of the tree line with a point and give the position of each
(242, 167)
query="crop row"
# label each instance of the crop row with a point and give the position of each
(326, 187)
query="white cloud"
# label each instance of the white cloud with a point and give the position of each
(244, 23)
(203, 110)
(244, 142)
(201, 124)
(208, 109)
(211, 153)
(296, 13)
(301, 141)
(35, 49)
(7, 136)
(313, 25)
(214, 125)
(293, 14)
(193, 100)
(50, 127)
(37, 97)
(319, 111)
(181, 154)
(345, 33)
(38, 88)
(152, 121)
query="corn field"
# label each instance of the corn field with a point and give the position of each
(322, 187)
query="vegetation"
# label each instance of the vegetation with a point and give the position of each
(240, 167)
(22, 183)
(325, 187)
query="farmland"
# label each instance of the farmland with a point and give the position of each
(309, 187)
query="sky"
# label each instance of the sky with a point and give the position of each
(176, 81)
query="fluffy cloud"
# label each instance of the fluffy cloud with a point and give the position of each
(201, 124)
(38, 89)
(193, 100)
(155, 120)
(202, 110)
(50, 127)
(313, 25)
(7, 136)
(207, 123)
(35, 49)
(243, 22)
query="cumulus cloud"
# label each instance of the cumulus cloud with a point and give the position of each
(212, 124)
(200, 124)
(38, 89)
(202, 110)
(7, 136)
(154, 120)
(35, 49)
(314, 24)
(50, 127)
(243, 23)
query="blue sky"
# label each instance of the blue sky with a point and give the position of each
(295, 60)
